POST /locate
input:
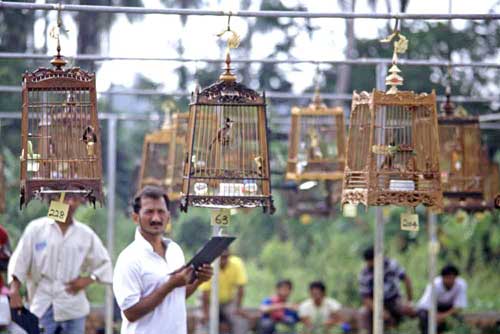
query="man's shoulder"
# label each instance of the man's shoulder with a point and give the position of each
(461, 282)
(36, 224)
(84, 228)
(333, 303)
(174, 245)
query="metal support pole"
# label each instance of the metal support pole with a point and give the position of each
(433, 250)
(214, 291)
(378, 292)
(111, 173)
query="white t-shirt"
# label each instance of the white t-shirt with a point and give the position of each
(138, 272)
(318, 314)
(456, 296)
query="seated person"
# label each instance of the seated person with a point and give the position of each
(451, 297)
(278, 315)
(318, 313)
(394, 306)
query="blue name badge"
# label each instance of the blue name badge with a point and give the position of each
(40, 245)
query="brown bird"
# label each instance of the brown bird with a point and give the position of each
(89, 138)
(223, 134)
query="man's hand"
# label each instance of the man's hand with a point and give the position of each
(16, 300)
(204, 273)
(181, 277)
(78, 284)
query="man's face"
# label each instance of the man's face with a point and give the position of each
(74, 201)
(284, 291)
(370, 263)
(449, 281)
(153, 216)
(317, 295)
(224, 258)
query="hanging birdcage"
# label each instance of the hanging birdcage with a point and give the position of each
(392, 147)
(227, 161)
(163, 156)
(316, 143)
(60, 139)
(3, 188)
(317, 201)
(460, 153)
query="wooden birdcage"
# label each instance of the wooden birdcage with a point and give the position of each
(227, 161)
(392, 148)
(60, 139)
(460, 153)
(3, 187)
(317, 201)
(163, 156)
(316, 143)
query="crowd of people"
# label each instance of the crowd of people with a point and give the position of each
(56, 261)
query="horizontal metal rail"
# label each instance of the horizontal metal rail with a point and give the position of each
(245, 13)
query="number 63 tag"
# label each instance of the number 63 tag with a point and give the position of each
(58, 210)
(221, 217)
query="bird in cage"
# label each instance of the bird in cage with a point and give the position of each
(223, 136)
(259, 161)
(89, 137)
(314, 145)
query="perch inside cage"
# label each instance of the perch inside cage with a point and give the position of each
(316, 143)
(227, 160)
(60, 139)
(392, 148)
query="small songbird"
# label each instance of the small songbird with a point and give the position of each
(259, 161)
(392, 149)
(314, 145)
(223, 134)
(89, 138)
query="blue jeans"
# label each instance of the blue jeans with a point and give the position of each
(73, 326)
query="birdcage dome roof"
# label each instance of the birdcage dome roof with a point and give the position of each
(44, 74)
(227, 92)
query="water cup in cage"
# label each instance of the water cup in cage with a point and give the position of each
(250, 188)
(200, 188)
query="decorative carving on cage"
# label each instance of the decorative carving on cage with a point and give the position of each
(3, 186)
(460, 148)
(316, 143)
(60, 140)
(163, 156)
(317, 201)
(227, 160)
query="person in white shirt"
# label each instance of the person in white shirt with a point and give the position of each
(318, 313)
(451, 298)
(57, 261)
(151, 282)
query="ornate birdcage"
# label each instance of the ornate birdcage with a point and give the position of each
(460, 152)
(163, 156)
(317, 201)
(316, 143)
(392, 147)
(3, 188)
(227, 160)
(60, 135)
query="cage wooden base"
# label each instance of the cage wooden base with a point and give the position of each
(265, 202)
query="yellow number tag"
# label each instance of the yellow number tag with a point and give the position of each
(409, 222)
(58, 210)
(350, 210)
(221, 217)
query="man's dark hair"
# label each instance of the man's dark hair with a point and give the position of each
(318, 285)
(151, 192)
(368, 254)
(284, 282)
(449, 269)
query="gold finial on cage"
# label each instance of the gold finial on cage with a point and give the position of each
(394, 79)
(232, 43)
(58, 61)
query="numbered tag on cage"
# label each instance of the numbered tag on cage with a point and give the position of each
(221, 217)
(409, 222)
(58, 210)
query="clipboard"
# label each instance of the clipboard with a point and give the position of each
(210, 251)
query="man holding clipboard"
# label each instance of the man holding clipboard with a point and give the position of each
(151, 279)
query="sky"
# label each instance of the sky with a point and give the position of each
(157, 36)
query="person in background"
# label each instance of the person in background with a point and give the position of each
(451, 298)
(57, 261)
(394, 307)
(232, 281)
(278, 315)
(151, 282)
(318, 313)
